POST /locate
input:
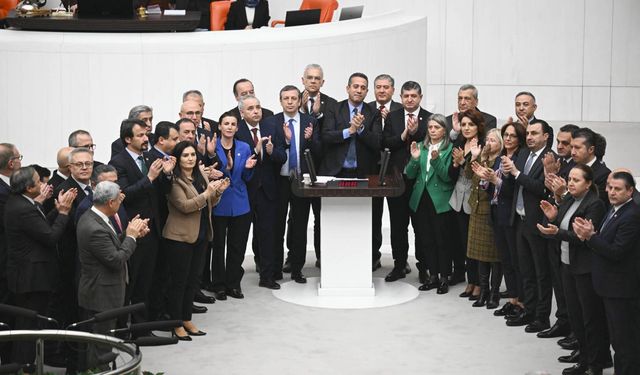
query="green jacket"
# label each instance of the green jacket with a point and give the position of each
(436, 182)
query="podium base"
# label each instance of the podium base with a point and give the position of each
(385, 294)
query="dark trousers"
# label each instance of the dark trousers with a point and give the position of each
(555, 265)
(490, 276)
(534, 266)
(377, 210)
(433, 231)
(587, 318)
(91, 354)
(158, 298)
(185, 265)
(505, 238)
(460, 259)
(24, 351)
(623, 320)
(234, 232)
(399, 216)
(142, 265)
(265, 215)
(316, 206)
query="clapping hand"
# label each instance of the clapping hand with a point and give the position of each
(481, 171)
(65, 200)
(308, 132)
(155, 169)
(457, 156)
(211, 144)
(508, 166)
(475, 148)
(455, 122)
(287, 132)
(46, 191)
(269, 146)
(549, 210)
(583, 228)
(415, 151)
(168, 165)
(138, 227)
(549, 230)
(214, 173)
(356, 123)
(551, 165)
(251, 162)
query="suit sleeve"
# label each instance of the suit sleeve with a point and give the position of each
(594, 212)
(331, 131)
(389, 140)
(278, 155)
(33, 226)
(101, 246)
(178, 198)
(132, 190)
(624, 241)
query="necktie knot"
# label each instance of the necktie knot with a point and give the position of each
(254, 130)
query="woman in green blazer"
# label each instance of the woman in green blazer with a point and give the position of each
(429, 165)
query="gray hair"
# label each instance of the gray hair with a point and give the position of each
(104, 192)
(314, 66)
(22, 179)
(6, 154)
(79, 150)
(243, 98)
(73, 137)
(385, 77)
(137, 110)
(442, 121)
(191, 92)
(468, 86)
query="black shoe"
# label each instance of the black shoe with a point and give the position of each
(464, 294)
(202, 298)
(209, 287)
(494, 301)
(235, 293)
(395, 274)
(521, 320)
(317, 263)
(376, 264)
(473, 297)
(577, 369)
(570, 345)
(181, 338)
(504, 294)
(571, 358)
(444, 287)
(515, 312)
(565, 340)
(433, 283)
(407, 269)
(287, 266)
(198, 309)
(536, 326)
(423, 277)
(505, 310)
(269, 284)
(557, 330)
(593, 371)
(278, 277)
(199, 333)
(220, 295)
(298, 277)
(482, 298)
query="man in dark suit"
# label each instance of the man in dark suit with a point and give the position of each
(525, 106)
(267, 143)
(241, 88)
(615, 269)
(384, 87)
(528, 172)
(143, 113)
(316, 104)
(103, 251)
(401, 128)
(467, 100)
(351, 142)
(583, 151)
(207, 124)
(83, 139)
(32, 268)
(205, 141)
(103, 172)
(300, 132)
(136, 176)
(237, 17)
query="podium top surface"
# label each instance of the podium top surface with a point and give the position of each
(152, 23)
(393, 187)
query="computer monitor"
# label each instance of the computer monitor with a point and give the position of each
(105, 8)
(302, 17)
(350, 13)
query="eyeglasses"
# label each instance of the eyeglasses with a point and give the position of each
(191, 113)
(90, 147)
(507, 135)
(82, 165)
(19, 157)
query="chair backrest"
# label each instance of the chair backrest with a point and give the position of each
(327, 7)
(6, 6)
(219, 11)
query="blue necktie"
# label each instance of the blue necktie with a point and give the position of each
(608, 218)
(527, 168)
(351, 160)
(293, 152)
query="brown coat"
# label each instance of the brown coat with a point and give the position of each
(480, 244)
(184, 203)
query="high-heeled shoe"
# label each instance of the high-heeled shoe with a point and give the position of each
(482, 298)
(181, 338)
(467, 292)
(198, 333)
(494, 300)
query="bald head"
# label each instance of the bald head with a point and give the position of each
(63, 160)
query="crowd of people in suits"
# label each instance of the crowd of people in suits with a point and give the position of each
(169, 216)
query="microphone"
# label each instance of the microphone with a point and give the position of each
(25, 313)
(153, 341)
(108, 315)
(11, 368)
(150, 326)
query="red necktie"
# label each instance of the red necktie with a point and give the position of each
(408, 140)
(116, 217)
(255, 136)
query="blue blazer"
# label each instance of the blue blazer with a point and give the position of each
(235, 200)
(276, 121)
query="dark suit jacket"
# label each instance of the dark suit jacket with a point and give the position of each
(86, 204)
(68, 245)
(327, 107)
(615, 259)
(103, 261)
(163, 187)
(237, 17)
(394, 126)
(591, 208)
(117, 146)
(31, 246)
(336, 147)
(501, 213)
(600, 175)
(141, 195)
(490, 121)
(267, 170)
(302, 144)
(54, 181)
(4, 195)
(533, 188)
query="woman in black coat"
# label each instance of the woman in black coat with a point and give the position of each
(585, 308)
(247, 14)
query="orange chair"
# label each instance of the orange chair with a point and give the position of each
(7, 6)
(219, 11)
(327, 7)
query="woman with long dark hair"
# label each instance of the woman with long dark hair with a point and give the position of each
(472, 129)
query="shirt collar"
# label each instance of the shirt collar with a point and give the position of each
(616, 208)
(351, 107)
(295, 118)
(590, 164)
(102, 216)
(82, 186)
(5, 179)
(133, 154)
(160, 151)
(29, 199)
(415, 113)
(61, 175)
